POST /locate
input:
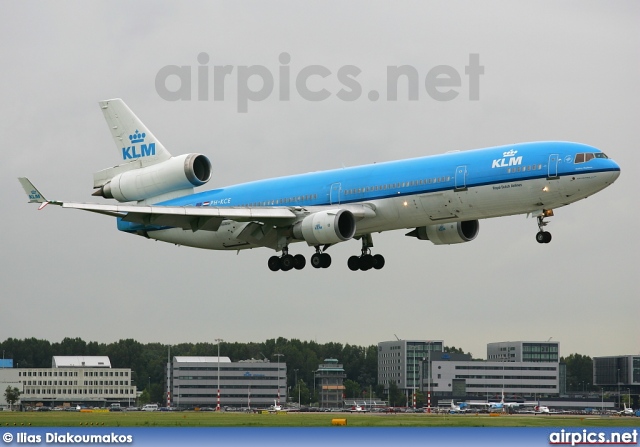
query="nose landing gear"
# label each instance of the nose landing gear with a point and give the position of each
(543, 237)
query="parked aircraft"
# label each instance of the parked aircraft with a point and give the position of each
(357, 408)
(439, 198)
(540, 409)
(462, 407)
(502, 406)
(627, 411)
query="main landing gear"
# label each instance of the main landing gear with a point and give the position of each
(543, 237)
(320, 260)
(287, 262)
(366, 261)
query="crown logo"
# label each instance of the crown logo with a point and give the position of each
(511, 153)
(137, 137)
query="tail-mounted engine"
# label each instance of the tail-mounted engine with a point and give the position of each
(177, 173)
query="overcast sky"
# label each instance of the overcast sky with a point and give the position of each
(552, 71)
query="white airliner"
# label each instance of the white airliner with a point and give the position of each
(357, 408)
(439, 198)
(628, 411)
(541, 409)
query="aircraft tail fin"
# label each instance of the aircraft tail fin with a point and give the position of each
(137, 146)
(132, 138)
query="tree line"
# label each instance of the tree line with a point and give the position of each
(148, 361)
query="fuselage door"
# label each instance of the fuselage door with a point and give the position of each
(553, 166)
(334, 195)
(461, 177)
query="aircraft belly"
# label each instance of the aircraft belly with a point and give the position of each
(212, 240)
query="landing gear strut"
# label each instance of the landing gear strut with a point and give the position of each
(543, 237)
(366, 261)
(286, 262)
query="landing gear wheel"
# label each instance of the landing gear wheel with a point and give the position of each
(326, 260)
(378, 262)
(366, 263)
(543, 237)
(286, 263)
(316, 260)
(353, 263)
(274, 263)
(299, 262)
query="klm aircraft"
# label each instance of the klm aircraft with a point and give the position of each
(438, 198)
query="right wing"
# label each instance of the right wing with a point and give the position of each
(185, 217)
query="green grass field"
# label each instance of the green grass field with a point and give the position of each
(211, 419)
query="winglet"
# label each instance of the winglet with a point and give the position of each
(34, 195)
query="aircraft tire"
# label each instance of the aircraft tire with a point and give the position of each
(286, 263)
(366, 263)
(326, 260)
(378, 262)
(274, 263)
(353, 263)
(316, 260)
(540, 237)
(547, 237)
(299, 262)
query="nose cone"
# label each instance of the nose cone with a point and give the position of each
(615, 170)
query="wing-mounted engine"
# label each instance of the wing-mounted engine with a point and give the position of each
(177, 173)
(448, 233)
(326, 227)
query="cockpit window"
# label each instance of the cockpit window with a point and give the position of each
(586, 156)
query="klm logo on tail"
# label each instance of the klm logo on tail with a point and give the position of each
(509, 159)
(130, 152)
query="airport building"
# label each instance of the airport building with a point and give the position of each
(330, 377)
(401, 361)
(193, 382)
(490, 379)
(71, 381)
(518, 369)
(523, 351)
(619, 375)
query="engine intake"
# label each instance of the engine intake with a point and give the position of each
(184, 171)
(449, 233)
(326, 227)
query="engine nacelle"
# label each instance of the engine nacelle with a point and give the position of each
(449, 233)
(326, 227)
(184, 171)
